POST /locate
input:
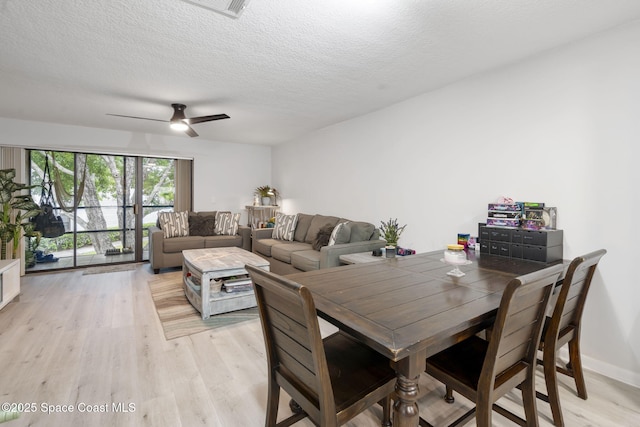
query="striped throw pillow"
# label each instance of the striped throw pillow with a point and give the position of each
(340, 234)
(174, 224)
(227, 223)
(285, 226)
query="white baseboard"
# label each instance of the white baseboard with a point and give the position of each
(606, 369)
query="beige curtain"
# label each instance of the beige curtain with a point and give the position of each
(183, 200)
(16, 158)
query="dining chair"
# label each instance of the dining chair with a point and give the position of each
(483, 371)
(332, 379)
(563, 326)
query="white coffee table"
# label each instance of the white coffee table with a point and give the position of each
(203, 269)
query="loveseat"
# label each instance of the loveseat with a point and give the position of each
(166, 245)
(306, 247)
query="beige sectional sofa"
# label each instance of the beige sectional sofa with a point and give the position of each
(298, 254)
(167, 252)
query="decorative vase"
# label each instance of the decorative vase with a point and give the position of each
(390, 251)
(266, 201)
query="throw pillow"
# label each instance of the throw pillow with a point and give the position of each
(174, 224)
(227, 223)
(340, 234)
(202, 225)
(317, 223)
(322, 238)
(361, 231)
(285, 226)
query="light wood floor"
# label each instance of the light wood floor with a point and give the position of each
(95, 342)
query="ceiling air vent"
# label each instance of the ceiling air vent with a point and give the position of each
(231, 8)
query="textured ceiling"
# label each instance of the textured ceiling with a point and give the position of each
(285, 68)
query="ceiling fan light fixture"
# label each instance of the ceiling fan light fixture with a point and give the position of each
(178, 125)
(179, 122)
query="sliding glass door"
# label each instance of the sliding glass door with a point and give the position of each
(106, 203)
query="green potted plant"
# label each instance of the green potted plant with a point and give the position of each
(17, 209)
(32, 244)
(265, 192)
(391, 231)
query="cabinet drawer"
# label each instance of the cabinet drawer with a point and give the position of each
(516, 236)
(542, 253)
(534, 253)
(542, 238)
(516, 250)
(483, 233)
(504, 249)
(500, 235)
(494, 248)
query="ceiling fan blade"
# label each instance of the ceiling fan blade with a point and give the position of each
(192, 133)
(134, 117)
(194, 120)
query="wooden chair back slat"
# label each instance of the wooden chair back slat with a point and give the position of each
(288, 335)
(571, 310)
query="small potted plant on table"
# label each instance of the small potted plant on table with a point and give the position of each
(265, 192)
(391, 231)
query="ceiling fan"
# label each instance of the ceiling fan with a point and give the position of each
(179, 122)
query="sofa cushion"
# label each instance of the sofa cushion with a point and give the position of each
(302, 226)
(227, 223)
(263, 246)
(201, 225)
(317, 223)
(322, 239)
(341, 234)
(285, 226)
(222, 241)
(361, 231)
(206, 213)
(174, 224)
(178, 244)
(306, 260)
(283, 251)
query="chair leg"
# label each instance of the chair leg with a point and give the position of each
(576, 368)
(386, 411)
(272, 404)
(551, 380)
(484, 410)
(448, 397)
(529, 401)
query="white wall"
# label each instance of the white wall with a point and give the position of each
(225, 174)
(561, 128)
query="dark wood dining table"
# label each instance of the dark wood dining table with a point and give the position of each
(408, 308)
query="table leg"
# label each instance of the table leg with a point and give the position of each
(204, 295)
(405, 408)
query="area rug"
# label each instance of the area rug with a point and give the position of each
(178, 317)
(109, 269)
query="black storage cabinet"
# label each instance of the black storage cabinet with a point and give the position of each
(533, 245)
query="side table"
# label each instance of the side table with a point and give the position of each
(260, 214)
(360, 258)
